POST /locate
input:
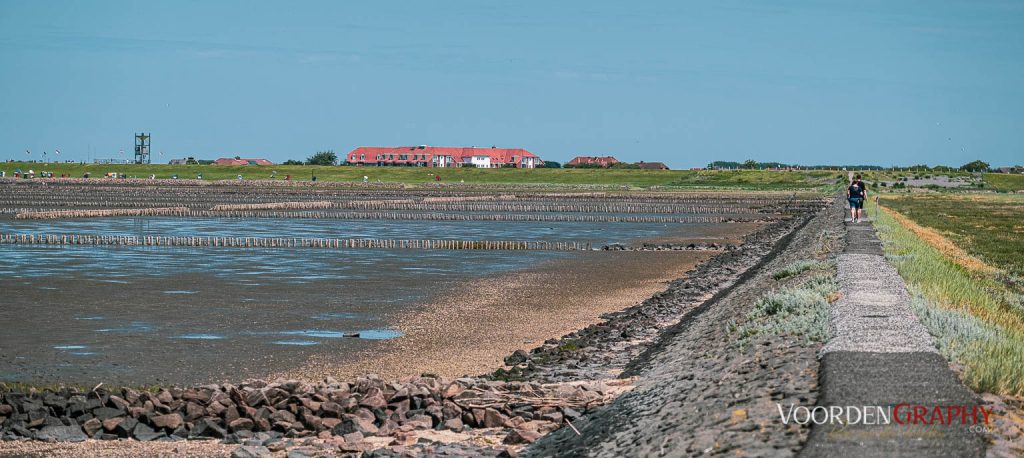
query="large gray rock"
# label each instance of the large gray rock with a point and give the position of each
(144, 433)
(61, 434)
(250, 451)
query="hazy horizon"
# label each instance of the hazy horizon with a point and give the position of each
(676, 82)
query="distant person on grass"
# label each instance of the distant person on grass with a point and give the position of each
(856, 193)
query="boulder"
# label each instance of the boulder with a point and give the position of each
(165, 397)
(517, 357)
(76, 406)
(493, 418)
(454, 424)
(521, 436)
(250, 451)
(231, 414)
(142, 432)
(282, 416)
(194, 411)
(36, 414)
(373, 400)
(208, 427)
(241, 424)
(125, 427)
(420, 422)
(92, 426)
(61, 434)
(331, 409)
(554, 417)
(330, 423)
(111, 423)
(353, 424)
(169, 422)
(303, 452)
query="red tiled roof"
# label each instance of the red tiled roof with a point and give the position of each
(603, 161)
(652, 165)
(502, 155)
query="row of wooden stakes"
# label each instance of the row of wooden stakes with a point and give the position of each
(285, 242)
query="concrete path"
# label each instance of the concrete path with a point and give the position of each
(879, 354)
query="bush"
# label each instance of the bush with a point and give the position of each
(797, 268)
(799, 311)
(322, 158)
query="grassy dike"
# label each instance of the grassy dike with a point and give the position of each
(685, 179)
(977, 321)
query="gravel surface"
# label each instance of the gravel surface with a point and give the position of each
(873, 314)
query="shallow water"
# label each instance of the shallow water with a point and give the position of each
(90, 314)
(598, 233)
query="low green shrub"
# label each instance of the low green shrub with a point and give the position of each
(799, 311)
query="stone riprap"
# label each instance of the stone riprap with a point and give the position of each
(698, 391)
(605, 349)
(349, 417)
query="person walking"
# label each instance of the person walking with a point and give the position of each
(855, 194)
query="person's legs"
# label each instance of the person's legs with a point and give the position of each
(853, 210)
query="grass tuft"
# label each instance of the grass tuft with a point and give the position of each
(799, 311)
(797, 268)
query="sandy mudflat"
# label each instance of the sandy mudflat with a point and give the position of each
(470, 330)
(118, 449)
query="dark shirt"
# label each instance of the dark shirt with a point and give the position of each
(857, 189)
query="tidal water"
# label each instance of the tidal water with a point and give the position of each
(139, 315)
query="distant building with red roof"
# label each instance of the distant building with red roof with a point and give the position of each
(441, 156)
(240, 161)
(651, 165)
(603, 161)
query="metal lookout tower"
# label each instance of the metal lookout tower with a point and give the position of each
(142, 148)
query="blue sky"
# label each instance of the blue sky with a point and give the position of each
(685, 83)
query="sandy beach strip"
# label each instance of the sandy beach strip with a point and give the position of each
(115, 449)
(471, 329)
(468, 331)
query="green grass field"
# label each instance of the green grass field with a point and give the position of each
(988, 226)
(976, 315)
(1005, 182)
(742, 179)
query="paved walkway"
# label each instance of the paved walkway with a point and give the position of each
(879, 354)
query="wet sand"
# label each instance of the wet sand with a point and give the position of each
(115, 449)
(469, 330)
